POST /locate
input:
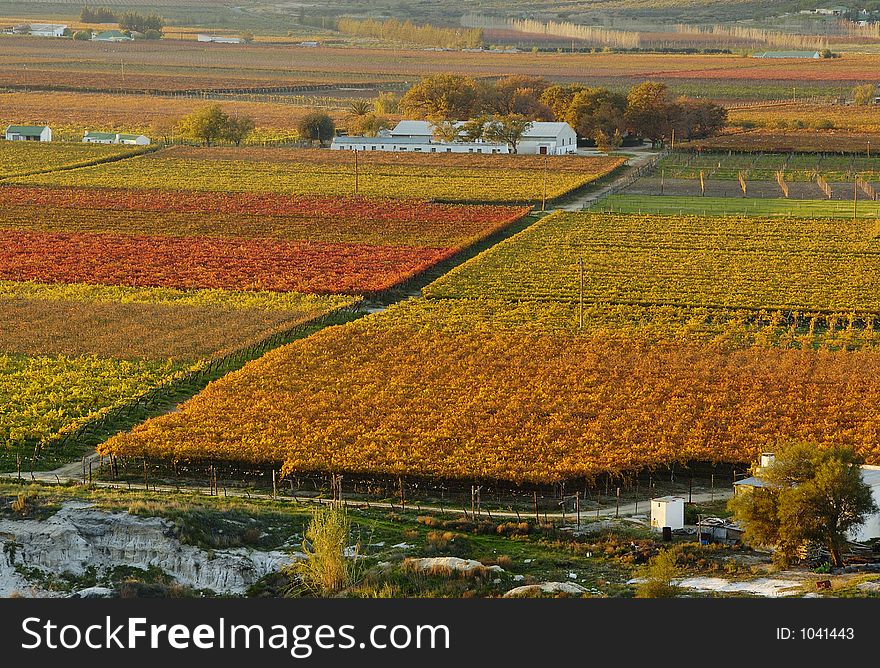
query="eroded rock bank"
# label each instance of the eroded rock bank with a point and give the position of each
(79, 537)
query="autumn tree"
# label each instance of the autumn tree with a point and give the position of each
(648, 109)
(443, 96)
(697, 119)
(387, 103)
(518, 94)
(211, 124)
(370, 125)
(207, 124)
(864, 94)
(558, 98)
(811, 494)
(596, 113)
(507, 130)
(475, 128)
(316, 126)
(445, 130)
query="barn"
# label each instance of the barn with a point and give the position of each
(28, 133)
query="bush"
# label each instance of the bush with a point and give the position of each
(82, 35)
(152, 34)
(823, 124)
(326, 568)
(659, 577)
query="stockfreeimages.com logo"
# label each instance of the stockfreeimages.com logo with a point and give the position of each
(300, 640)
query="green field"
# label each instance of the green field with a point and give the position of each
(737, 206)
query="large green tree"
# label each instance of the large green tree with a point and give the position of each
(316, 126)
(812, 494)
(207, 124)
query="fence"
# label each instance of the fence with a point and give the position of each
(626, 181)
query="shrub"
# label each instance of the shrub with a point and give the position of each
(327, 569)
(659, 577)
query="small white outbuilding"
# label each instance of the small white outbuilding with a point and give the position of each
(667, 511)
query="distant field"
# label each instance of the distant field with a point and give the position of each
(73, 113)
(305, 172)
(763, 166)
(734, 206)
(838, 117)
(176, 65)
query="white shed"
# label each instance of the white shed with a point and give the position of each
(667, 511)
(47, 29)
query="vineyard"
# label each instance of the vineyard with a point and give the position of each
(325, 173)
(789, 141)
(217, 240)
(819, 265)
(72, 353)
(739, 206)
(23, 158)
(381, 396)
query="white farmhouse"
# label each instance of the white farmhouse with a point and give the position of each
(47, 29)
(541, 138)
(28, 133)
(115, 138)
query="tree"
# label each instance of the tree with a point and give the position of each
(696, 119)
(519, 94)
(98, 15)
(387, 103)
(247, 37)
(152, 34)
(316, 126)
(474, 129)
(444, 130)
(864, 94)
(507, 129)
(595, 112)
(558, 98)
(359, 108)
(371, 124)
(238, 128)
(140, 23)
(648, 107)
(444, 96)
(82, 35)
(208, 124)
(812, 494)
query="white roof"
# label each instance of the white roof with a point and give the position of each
(538, 129)
(667, 499)
(413, 128)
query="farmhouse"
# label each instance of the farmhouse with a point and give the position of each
(112, 36)
(815, 55)
(47, 29)
(115, 138)
(870, 476)
(28, 133)
(219, 39)
(418, 136)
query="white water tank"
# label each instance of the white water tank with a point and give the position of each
(667, 511)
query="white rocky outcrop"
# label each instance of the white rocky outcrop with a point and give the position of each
(80, 536)
(452, 564)
(543, 588)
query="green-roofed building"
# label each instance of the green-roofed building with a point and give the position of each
(115, 138)
(28, 133)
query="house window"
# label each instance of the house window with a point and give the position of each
(449, 150)
(479, 150)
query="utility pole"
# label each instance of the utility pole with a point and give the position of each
(544, 186)
(356, 170)
(855, 197)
